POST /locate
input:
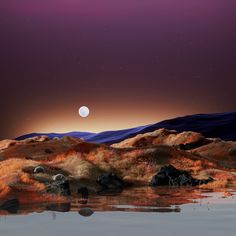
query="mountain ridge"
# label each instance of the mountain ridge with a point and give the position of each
(215, 125)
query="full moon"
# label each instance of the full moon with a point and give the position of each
(83, 111)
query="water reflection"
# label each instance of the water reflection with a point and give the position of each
(11, 206)
(60, 207)
(146, 199)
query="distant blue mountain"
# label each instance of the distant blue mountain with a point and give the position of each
(219, 125)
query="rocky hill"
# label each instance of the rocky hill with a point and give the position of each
(40, 168)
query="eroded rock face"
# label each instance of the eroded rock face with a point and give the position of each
(170, 176)
(37, 148)
(219, 151)
(163, 137)
(4, 144)
(41, 138)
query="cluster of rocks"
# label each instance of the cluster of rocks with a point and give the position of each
(170, 176)
(110, 182)
(59, 183)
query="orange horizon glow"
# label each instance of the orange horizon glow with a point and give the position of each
(100, 119)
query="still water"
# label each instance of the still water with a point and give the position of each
(136, 212)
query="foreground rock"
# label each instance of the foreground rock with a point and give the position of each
(170, 176)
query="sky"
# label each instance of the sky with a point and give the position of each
(132, 62)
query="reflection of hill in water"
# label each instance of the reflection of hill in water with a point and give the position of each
(145, 199)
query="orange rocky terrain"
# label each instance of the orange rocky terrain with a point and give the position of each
(30, 168)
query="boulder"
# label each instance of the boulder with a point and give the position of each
(85, 211)
(170, 176)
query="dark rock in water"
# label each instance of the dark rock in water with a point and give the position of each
(61, 187)
(60, 207)
(110, 181)
(86, 212)
(170, 176)
(12, 206)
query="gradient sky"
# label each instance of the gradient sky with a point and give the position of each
(133, 62)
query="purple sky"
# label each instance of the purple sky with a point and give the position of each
(132, 62)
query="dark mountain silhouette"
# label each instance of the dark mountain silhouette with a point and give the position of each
(218, 125)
